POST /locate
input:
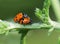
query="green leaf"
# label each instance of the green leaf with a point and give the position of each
(50, 31)
(38, 13)
(43, 17)
(44, 13)
(3, 27)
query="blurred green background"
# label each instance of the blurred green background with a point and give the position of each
(9, 8)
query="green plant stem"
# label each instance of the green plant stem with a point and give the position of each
(23, 38)
(55, 24)
(56, 7)
(35, 26)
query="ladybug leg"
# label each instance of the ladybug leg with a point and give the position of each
(21, 21)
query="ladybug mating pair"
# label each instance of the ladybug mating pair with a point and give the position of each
(22, 18)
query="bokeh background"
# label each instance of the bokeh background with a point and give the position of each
(9, 8)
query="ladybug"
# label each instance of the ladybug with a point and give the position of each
(22, 18)
(26, 20)
(18, 17)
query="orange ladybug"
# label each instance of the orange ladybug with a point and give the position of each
(22, 18)
(26, 20)
(18, 17)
